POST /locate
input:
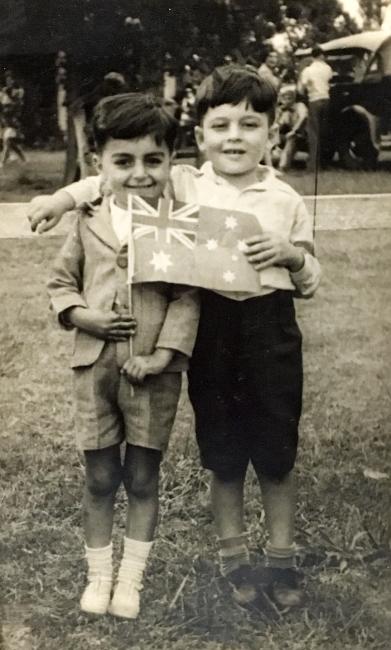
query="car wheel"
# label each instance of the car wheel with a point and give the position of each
(356, 151)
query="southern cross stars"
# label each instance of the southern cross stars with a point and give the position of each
(228, 276)
(231, 223)
(161, 261)
(211, 244)
(242, 246)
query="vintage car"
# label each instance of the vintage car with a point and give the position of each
(360, 98)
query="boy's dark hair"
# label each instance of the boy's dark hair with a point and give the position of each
(131, 116)
(233, 84)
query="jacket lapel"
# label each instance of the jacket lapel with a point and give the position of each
(100, 224)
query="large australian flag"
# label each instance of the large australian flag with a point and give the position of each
(191, 244)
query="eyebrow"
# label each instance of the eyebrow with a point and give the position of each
(126, 154)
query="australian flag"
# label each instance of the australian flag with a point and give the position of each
(191, 244)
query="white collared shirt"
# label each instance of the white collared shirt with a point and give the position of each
(277, 207)
(120, 220)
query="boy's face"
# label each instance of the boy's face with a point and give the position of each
(234, 139)
(139, 166)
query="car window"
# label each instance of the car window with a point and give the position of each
(343, 66)
(374, 70)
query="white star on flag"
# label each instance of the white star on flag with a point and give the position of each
(229, 276)
(231, 223)
(211, 244)
(161, 261)
(242, 246)
(234, 258)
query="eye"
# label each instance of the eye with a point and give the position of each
(250, 124)
(219, 126)
(154, 161)
(123, 163)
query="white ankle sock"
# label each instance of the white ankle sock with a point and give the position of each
(134, 560)
(100, 563)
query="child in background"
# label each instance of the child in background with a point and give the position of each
(118, 397)
(245, 378)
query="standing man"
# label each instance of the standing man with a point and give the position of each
(315, 82)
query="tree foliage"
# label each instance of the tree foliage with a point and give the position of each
(372, 11)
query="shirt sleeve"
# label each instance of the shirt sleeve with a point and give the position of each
(307, 279)
(86, 190)
(181, 323)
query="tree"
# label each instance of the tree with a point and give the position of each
(372, 12)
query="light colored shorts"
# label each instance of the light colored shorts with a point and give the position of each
(107, 413)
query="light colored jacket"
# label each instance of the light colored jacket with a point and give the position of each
(91, 271)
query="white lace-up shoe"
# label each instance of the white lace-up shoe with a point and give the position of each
(96, 596)
(126, 599)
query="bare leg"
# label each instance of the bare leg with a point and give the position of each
(227, 506)
(18, 150)
(6, 152)
(279, 501)
(141, 481)
(103, 477)
(287, 154)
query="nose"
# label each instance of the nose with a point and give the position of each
(234, 131)
(138, 171)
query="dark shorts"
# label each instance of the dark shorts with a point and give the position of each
(245, 384)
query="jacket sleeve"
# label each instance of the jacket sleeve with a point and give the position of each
(65, 281)
(181, 323)
(307, 279)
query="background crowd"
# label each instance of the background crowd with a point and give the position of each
(164, 47)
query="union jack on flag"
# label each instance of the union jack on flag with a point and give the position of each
(191, 244)
(167, 222)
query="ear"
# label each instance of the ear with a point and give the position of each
(96, 161)
(199, 137)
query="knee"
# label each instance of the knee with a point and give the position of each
(141, 484)
(102, 482)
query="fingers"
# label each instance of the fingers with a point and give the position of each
(42, 225)
(134, 373)
(263, 260)
(124, 322)
(117, 336)
(258, 248)
(135, 369)
(257, 239)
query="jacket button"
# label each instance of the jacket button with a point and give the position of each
(122, 261)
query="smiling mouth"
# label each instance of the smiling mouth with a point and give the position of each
(140, 187)
(234, 152)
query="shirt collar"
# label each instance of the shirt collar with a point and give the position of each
(264, 176)
(117, 211)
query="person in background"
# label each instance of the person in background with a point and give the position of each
(314, 82)
(187, 118)
(269, 70)
(289, 127)
(11, 136)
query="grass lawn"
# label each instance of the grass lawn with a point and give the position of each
(344, 476)
(44, 171)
